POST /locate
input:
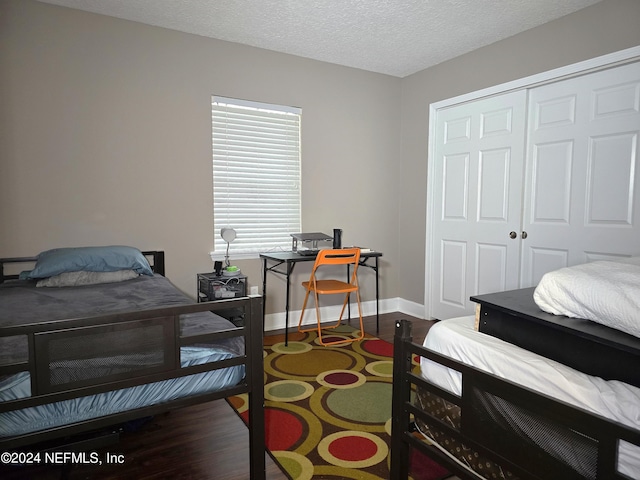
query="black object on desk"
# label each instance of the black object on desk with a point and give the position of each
(289, 260)
(307, 243)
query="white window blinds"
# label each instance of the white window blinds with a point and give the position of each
(256, 174)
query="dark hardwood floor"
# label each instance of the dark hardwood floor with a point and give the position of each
(204, 442)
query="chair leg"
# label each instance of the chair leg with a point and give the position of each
(319, 327)
(304, 306)
(360, 315)
(349, 340)
(318, 320)
(344, 305)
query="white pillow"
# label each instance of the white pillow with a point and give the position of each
(605, 292)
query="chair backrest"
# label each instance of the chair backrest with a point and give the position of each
(343, 256)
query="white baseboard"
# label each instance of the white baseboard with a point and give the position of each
(411, 308)
(276, 321)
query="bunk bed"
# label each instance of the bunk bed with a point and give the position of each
(94, 337)
(517, 392)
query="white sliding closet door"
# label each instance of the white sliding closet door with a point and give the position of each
(581, 200)
(530, 181)
(479, 154)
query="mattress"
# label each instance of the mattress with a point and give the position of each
(611, 399)
(143, 292)
(66, 412)
(134, 348)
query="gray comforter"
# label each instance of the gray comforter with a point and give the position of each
(22, 303)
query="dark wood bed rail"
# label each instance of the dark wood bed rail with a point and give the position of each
(40, 335)
(525, 460)
(156, 263)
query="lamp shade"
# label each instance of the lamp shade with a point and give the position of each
(228, 234)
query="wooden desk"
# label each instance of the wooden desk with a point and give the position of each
(273, 260)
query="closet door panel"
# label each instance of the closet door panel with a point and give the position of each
(478, 156)
(455, 186)
(610, 183)
(551, 182)
(493, 184)
(539, 260)
(491, 268)
(581, 172)
(453, 272)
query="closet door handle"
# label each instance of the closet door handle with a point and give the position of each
(512, 235)
(524, 235)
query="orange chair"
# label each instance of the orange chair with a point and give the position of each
(346, 256)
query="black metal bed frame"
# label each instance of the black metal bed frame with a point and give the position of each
(523, 458)
(40, 334)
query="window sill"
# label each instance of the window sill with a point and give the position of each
(234, 256)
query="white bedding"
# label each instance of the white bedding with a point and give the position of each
(614, 400)
(604, 292)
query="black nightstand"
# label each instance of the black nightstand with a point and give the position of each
(212, 287)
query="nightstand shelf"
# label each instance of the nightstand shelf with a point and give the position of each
(212, 288)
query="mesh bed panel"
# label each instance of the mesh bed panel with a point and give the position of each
(450, 414)
(98, 353)
(572, 449)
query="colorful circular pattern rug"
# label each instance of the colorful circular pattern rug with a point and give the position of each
(328, 409)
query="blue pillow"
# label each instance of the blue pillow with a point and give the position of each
(90, 259)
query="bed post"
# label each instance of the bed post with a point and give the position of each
(255, 380)
(401, 395)
(158, 263)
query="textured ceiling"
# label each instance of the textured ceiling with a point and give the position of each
(394, 37)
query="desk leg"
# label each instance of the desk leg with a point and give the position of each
(377, 297)
(286, 318)
(264, 290)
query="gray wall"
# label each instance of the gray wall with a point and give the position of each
(603, 28)
(105, 138)
(105, 134)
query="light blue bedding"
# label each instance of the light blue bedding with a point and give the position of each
(78, 409)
